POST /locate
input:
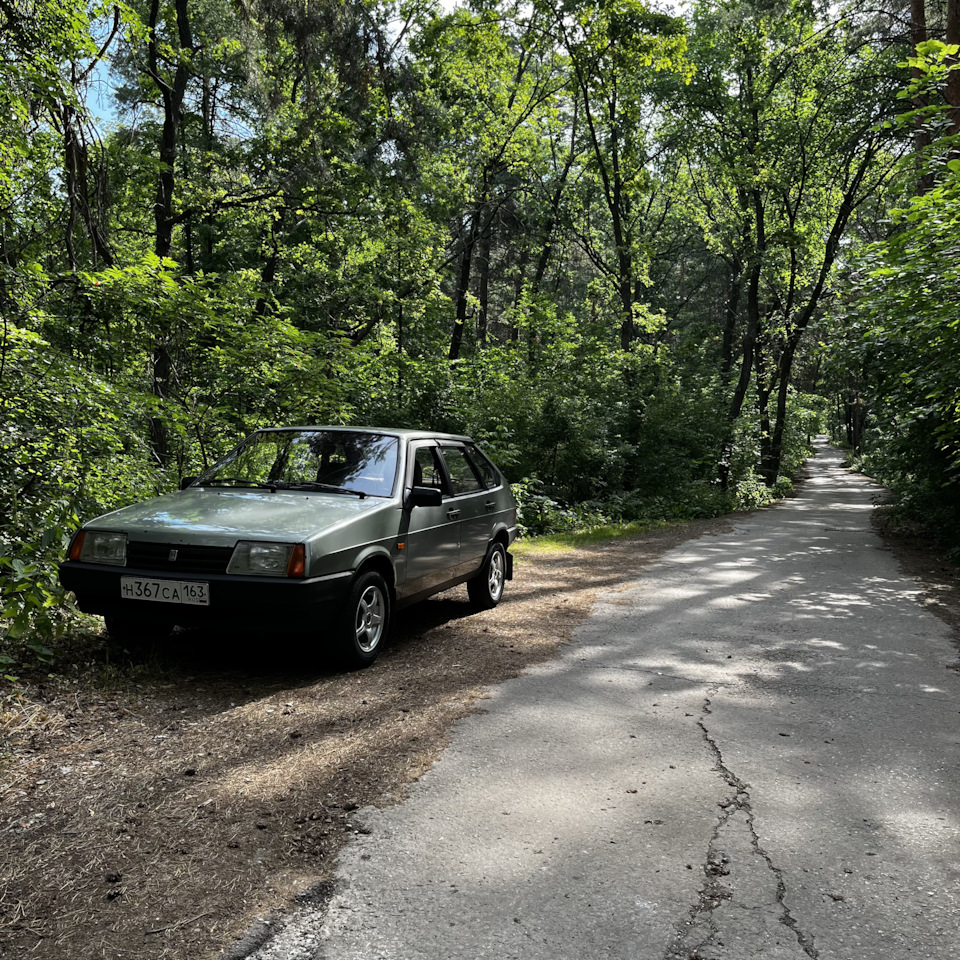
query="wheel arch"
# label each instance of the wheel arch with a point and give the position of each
(501, 534)
(380, 562)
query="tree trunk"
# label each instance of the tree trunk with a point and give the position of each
(519, 283)
(70, 182)
(270, 264)
(730, 320)
(463, 286)
(171, 96)
(855, 417)
(769, 461)
(953, 80)
(208, 230)
(921, 136)
(785, 363)
(625, 289)
(776, 445)
(553, 214)
(483, 286)
(748, 349)
(753, 207)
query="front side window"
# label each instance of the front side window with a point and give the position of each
(326, 460)
(426, 468)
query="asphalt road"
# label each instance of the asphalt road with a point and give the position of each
(751, 751)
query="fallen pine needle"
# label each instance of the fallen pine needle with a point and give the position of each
(174, 926)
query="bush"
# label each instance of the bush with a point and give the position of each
(539, 514)
(65, 449)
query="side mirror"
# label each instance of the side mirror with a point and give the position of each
(186, 481)
(425, 497)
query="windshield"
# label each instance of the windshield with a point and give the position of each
(338, 461)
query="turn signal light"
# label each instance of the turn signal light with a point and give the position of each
(77, 546)
(297, 567)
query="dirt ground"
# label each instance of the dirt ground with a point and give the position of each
(166, 809)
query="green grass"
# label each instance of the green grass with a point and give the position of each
(559, 542)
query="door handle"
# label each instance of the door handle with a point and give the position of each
(490, 504)
(453, 514)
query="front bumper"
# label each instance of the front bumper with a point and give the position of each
(252, 601)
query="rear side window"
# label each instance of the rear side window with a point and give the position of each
(486, 470)
(463, 477)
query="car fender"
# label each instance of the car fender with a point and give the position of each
(377, 555)
(508, 533)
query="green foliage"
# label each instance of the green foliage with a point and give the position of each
(908, 319)
(538, 513)
(33, 609)
(517, 221)
(65, 446)
(901, 346)
(787, 145)
(35, 37)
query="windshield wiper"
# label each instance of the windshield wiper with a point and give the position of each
(239, 482)
(317, 485)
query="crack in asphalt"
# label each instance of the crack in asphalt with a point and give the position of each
(713, 892)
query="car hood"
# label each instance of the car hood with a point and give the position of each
(205, 515)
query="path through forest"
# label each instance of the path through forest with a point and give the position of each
(752, 751)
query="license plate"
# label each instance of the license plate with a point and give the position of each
(165, 591)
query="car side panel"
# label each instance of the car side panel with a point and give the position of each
(476, 527)
(432, 538)
(485, 504)
(432, 548)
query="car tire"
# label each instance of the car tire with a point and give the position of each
(486, 588)
(366, 620)
(135, 635)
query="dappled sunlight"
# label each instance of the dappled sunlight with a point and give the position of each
(816, 642)
(831, 632)
(595, 784)
(746, 711)
(923, 829)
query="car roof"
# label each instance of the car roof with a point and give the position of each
(404, 433)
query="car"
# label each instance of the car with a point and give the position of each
(322, 530)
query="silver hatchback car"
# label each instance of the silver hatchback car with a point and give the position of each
(323, 529)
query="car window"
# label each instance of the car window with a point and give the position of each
(355, 462)
(463, 478)
(426, 468)
(358, 462)
(486, 470)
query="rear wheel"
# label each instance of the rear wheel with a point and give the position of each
(486, 588)
(366, 620)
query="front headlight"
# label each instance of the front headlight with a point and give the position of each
(258, 559)
(95, 546)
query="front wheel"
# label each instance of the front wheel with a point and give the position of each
(365, 622)
(486, 588)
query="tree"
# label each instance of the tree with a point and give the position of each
(784, 141)
(488, 83)
(614, 48)
(902, 311)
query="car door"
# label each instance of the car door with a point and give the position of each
(432, 539)
(475, 505)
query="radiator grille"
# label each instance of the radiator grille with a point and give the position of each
(190, 558)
